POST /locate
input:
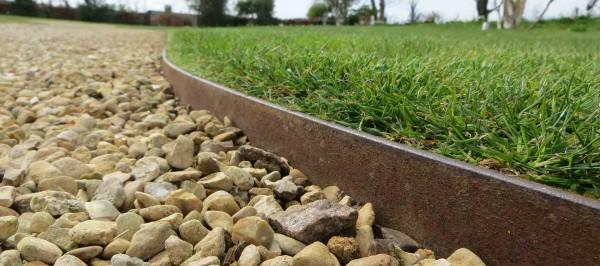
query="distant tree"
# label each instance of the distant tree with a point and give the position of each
(168, 9)
(365, 11)
(360, 15)
(382, 10)
(318, 10)
(374, 7)
(211, 12)
(541, 15)
(590, 6)
(264, 11)
(96, 11)
(25, 8)
(244, 8)
(432, 17)
(513, 13)
(261, 10)
(413, 15)
(340, 9)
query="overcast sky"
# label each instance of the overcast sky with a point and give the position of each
(397, 10)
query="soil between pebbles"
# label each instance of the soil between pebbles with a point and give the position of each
(100, 165)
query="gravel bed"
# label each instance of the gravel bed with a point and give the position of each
(100, 165)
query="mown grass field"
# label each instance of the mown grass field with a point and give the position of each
(13, 19)
(524, 102)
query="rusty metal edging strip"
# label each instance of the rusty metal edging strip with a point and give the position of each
(443, 203)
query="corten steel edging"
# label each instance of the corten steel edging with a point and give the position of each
(443, 203)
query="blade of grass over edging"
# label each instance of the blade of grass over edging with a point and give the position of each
(528, 101)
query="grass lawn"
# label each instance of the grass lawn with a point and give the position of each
(14, 19)
(524, 102)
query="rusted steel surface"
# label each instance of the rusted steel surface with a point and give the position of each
(443, 203)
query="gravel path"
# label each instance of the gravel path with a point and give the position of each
(101, 166)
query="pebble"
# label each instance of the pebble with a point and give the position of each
(213, 244)
(173, 130)
(128, 224)
(243, 213)
(364, 237)
(185, 201)
(146, 200)
(8, 227)
(111, 190)
(216, 219)
(60, 237)
(86, 253)
(124, 260)
(253, 230)
(221, 201)
(366, 216)
(271, 161)
(193, 231)
(42, 169)
(182, 155)
(204, 261)
(345, 249)
(250, 256)
(93, 232)
(283, 188)
(161, 259)
(207, 165)
(434, 262)
(59, 183)
(102, 210)
(405, 258)
(315, 254)
(137, 150)
(117, 246)
(7, 212)
(149, 240)
(156, 120)
(160, 190)
(312, 196)
(69, 260)
(399, 239)
(146, 169)
(158, 212)
(10, 258)
(376, 260)
(217, 181)
(288, 245)
(72, 167)
(242, 179)
(332, 193)
(279, 261)
(463, 256)
(179, 250)
(266, 206)
(37, 249)
(181, 176)
(7, 196)
(55, 202)
(40, 221)
(194, 188)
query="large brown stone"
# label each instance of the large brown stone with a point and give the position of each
(319, 220)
